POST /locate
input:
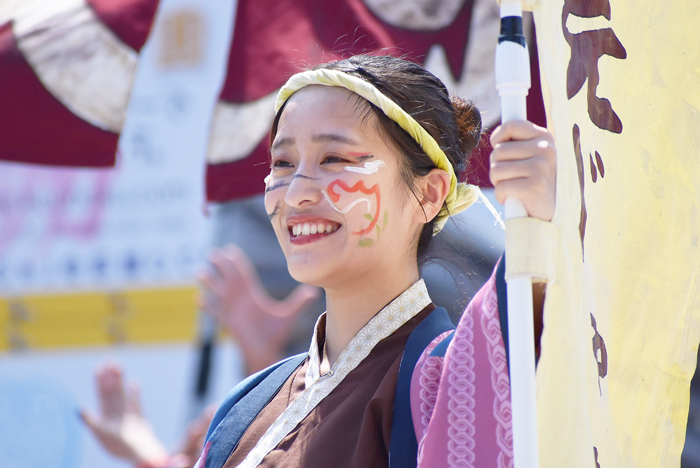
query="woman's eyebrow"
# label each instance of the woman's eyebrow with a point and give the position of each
(282, 142)
(333, 138)
(318, 138)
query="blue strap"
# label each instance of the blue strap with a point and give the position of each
(403, 447)
(242, 405)
(501, 293)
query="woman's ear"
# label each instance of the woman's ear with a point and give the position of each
(433, 189)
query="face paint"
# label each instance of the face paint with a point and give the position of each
(275, 211)
(362, 219)
(279, 184)
(302, 176)
(370, 167)
(333, 197)
(350, 206)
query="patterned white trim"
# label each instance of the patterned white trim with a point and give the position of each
(502, 411)
(429, 370)
(460, 378)
(386, 322)
(429, 383)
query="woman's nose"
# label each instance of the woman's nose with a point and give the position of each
(303, 190)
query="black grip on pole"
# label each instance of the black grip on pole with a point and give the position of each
(205, 358)
(512, 30)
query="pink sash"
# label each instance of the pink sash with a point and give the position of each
(461, 403)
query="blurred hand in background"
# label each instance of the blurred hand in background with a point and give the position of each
(123, 431)
(120, 428)
(236, 298)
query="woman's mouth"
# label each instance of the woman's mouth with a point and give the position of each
(303, 233)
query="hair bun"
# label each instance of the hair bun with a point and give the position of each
(468, 120)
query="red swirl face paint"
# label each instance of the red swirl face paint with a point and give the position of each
(334, 198)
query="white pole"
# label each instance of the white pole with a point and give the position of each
(513, 83)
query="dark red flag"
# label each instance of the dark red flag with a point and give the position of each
(274, 39)
(65, 79)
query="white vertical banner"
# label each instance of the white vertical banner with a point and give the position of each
(68, 232)
(140, 223)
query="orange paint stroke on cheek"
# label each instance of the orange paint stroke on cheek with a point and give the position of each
(358, 187)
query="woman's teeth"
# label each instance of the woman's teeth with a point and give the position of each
(308, 229)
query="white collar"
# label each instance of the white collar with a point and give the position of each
(399, 311)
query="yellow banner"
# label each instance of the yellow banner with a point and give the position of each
(97, 318)
(622, 89)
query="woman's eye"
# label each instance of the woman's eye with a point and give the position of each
(333, 159)
(281, 163)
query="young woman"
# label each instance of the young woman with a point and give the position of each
(364, 157)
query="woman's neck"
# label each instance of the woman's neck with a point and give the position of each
(350, 307)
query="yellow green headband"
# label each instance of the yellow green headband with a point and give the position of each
(461, 195)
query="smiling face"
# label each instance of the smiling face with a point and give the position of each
(339, 207)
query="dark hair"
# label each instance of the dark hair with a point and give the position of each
(454, 123)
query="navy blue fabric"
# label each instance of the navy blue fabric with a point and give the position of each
(403, 446)
(240, 391)
(502, 294)
(242, 405)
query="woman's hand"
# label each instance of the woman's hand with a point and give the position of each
(234, 296)
(524, 166)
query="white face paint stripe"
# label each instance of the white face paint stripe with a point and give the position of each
(370, 167)
(350, 206)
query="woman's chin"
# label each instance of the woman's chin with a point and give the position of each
(308, 273)
(321, 274)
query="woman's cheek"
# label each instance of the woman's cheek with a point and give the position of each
(360, 201)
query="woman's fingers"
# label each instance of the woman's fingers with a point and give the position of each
(223, 267)
(110, 390)
(214, 292)
(299, 299)
(245, 270)
(90, 421)
(523, 166)
(533, 167)
(536, 194)
(133, 400)
(513, 150)
(518, 130)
